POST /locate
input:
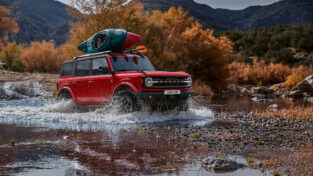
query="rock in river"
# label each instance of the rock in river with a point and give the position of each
(261, 90)
(305, 86)
(224, 165)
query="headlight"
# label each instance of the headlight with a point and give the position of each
(189, 81)
(148, 82)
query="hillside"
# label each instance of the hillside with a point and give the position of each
(48, 19)
(39, 20)
(293, 12)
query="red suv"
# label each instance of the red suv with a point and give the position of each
(124, 77)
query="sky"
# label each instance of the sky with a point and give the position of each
(235, 4)
(225, 4)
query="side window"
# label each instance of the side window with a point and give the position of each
(82, 68)
(97, 63)
(67, 69)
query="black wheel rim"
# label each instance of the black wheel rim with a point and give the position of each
(126, 104)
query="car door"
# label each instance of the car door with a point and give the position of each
(81, 83)
(102, 80)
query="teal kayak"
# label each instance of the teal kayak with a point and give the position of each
(109, 39)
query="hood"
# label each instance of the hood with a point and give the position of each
(165, 73)
(152, 73)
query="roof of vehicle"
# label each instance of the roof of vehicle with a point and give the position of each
(104, 53)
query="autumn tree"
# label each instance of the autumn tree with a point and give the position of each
(10, 55)
(7, 24)
(42, 57)
(174, 40)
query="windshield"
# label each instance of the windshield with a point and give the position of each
(131, 63)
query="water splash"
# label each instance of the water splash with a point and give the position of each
(23, 89)
(64, 115)
(34, 109)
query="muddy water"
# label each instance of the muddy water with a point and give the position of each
(39, 136)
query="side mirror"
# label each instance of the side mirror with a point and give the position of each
(104, 70)
(160, 69)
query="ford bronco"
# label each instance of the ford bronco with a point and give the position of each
(127, 78)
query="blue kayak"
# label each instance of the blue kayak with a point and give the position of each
(109, 39)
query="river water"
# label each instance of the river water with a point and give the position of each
(54, 138)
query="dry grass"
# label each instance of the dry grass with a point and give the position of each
(201, 89)
(261, 73)
(294, 112)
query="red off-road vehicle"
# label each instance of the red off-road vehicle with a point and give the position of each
(127, 78)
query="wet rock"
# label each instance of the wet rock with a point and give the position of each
(233, 88)
(310, 100)
(224, 165)
(305, 86)
(261, 90)
(278, 86)
(296, 94)
(245, 91)
(24, 88)
(273, 107)
(3, 95)
(279, 89)
(260, 98)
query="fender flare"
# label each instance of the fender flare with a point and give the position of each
(70, 91)
(127, 84)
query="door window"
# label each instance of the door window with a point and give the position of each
(82, 68)
(97, 63)
(67, 69)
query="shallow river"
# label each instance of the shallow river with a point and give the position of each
(52, 138)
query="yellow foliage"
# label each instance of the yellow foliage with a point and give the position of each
(42, 57)
(292, 80)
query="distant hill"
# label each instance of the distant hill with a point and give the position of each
(48, 19)
(293, 12)
(39, 20)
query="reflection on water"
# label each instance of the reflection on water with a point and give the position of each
(235, 104)
(143, 150)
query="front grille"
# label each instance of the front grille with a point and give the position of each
(170, 82)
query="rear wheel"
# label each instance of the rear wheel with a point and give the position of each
(64, 95)
(126, 101)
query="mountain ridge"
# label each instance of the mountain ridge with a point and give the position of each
(48, 19)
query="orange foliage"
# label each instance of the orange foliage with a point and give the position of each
(173, 39)
(292, 80)
(7, 24)
(266, 73)
(42, 57)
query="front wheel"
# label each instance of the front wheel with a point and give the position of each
(183, 107)
(126, 101)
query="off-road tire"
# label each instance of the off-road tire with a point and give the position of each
(126, 101)
(183, 107)
(64, 95)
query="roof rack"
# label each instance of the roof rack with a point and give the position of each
(130, 51)
(94, 54)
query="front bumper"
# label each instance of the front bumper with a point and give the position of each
(158, 101)
(184, 95)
